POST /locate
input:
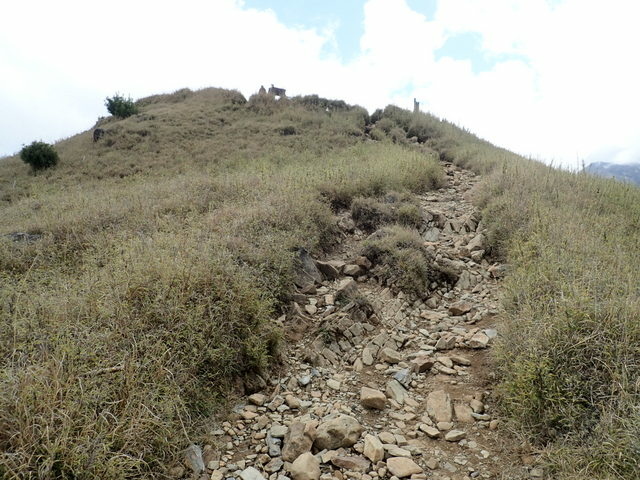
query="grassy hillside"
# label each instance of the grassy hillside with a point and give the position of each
(167, 252)
(569, 356)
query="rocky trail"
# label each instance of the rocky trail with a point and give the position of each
(377, 384)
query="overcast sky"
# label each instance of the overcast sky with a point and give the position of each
(556, 80)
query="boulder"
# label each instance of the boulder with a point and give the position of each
(305, 467)
(390, 356)
(439, 406)
(479, 340)
(373, 449)
(307, 274)
(297, 441)
(477, 243)
(371, 398)
(402, 467)
(396, 391)
(352, 270)
(193, 458)
(460, 308)
(347, 289)
(340, 431)
(327, 269)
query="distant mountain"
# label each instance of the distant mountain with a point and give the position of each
(626, 172)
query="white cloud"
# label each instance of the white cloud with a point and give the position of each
(579, 94)
(566, 87)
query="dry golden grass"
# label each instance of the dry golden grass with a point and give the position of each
(569, 355)
(167, 251)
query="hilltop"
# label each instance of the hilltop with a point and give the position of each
(158, 279)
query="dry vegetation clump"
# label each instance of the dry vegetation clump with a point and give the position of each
(164, 259)
(569, 353)
(371, 213)
(400, 259)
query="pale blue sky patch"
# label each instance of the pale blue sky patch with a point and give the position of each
(425, 7)
(468, 46)
(344, 18)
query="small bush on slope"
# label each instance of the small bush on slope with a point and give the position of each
(120, 107)
(39, 156)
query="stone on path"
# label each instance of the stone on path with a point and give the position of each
(371, 398)
(352, 270)
(463, 412)
(258, 399)
(460, 360)
(354, 464)
(439, 406)
(251, 473)
(297, 441)
(477, 243)
(403, 377)
(278, 431)
(275, 465)
(305, 467)
(460, 308)
(402, 467)
(193, 458)
(446, 342)
(396, 451)
(477, 406)
(328, 270)
(431, 432)
(347, 288)
(396, 392)
(367, 357)
(454, 435)
(333, 384)
(422, 363)
(373, 449)
(341, 431)
(390, 356)
(479, 340)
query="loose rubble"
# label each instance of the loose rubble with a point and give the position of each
(377, 384)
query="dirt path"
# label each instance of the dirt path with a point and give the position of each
(378, 385)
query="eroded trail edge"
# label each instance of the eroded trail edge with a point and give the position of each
(378, 384)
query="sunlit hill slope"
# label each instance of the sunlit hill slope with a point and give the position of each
(163, 254)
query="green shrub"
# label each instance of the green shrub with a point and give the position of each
(120, 107)
(39, 155)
